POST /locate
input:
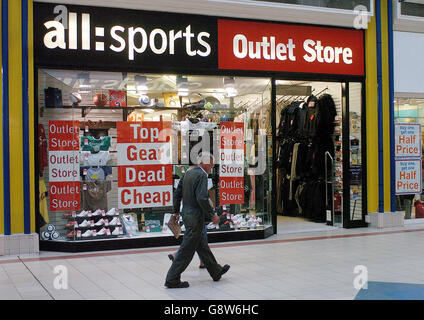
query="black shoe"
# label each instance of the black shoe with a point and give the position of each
(171, 257)
(181, 284)
(222, 272)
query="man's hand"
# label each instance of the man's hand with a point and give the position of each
(215, 219)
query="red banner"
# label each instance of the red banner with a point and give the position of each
(64, 166)
(144, 164)
(245, 45)
(231, 163)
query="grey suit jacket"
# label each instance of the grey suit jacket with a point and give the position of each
(193, 190)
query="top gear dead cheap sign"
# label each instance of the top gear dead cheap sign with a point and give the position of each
(144, 164)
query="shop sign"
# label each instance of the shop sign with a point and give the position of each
(245, 45)
(64, 175)
(407, 140)
(408, 176)
(77, 36)
(231, 163)
(144, 164)
(111, 37)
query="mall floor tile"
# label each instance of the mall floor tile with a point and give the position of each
(315, 265)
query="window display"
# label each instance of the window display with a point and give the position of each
(117, 144)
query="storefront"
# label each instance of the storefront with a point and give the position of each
(281, 107)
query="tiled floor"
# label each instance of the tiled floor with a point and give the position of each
(305, 265)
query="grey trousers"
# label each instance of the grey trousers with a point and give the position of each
(193, 241)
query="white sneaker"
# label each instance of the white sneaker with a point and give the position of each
(113, 212)
(115, 221)
(97, 212)
(84, 214)
(118, 231)
(103, 232)
(85, 224)
(87, 234)
(99, 223)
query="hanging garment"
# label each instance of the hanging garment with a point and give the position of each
(289, 120)
(42, 149)
(293, 169)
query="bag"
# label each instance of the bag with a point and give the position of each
(174, 226)
(53, 97)
(419, 209)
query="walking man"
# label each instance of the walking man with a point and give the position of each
(193, 189)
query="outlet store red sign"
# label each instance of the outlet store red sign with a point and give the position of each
(245, 45)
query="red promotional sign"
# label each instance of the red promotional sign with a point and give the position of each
(64, 196)
(245, 45)
(144, 164)
(64, 178)
(63, 136)
(231, 163)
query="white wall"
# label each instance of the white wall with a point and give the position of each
(409, 62)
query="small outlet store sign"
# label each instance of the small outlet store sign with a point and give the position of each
(408, 161)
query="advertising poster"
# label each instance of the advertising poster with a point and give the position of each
(64, 177)
(408, 158)
(407, 140)
(231, 165)
(144, 164)
(408, 176)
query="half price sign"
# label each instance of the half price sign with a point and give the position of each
(408, 158)
(144, 164)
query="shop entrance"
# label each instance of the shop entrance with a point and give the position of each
(319, 173)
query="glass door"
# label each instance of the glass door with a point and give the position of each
(354, 155)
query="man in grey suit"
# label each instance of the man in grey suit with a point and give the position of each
(193, 189)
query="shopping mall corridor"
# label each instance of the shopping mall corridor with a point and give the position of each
(330, 264)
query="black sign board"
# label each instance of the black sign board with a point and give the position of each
(69, 36)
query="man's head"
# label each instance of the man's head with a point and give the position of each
(206, 161)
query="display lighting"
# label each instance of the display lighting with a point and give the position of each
(230, 87)
(84, 86)
(141, 84)
(182, 85)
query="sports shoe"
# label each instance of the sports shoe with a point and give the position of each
(72, 234)
(103, 232)
(118, 231)
(113, 212)
(85, 224)
(70, 214)
(84, 214)
(99, 223)
(97, 213)
(115, 221)
(87, 234)
(71, 224)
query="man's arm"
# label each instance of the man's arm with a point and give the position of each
(178, 195)
(202, 197)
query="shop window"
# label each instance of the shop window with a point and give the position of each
(412, 9)
(106, 171)
(410, 110)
